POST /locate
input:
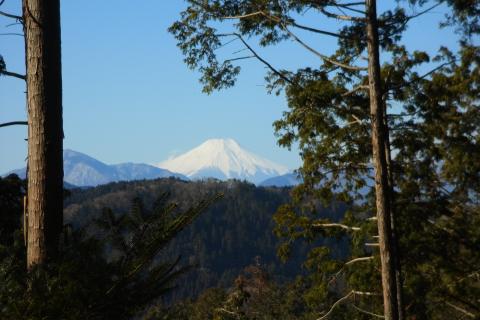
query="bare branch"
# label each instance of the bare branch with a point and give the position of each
(239, 58)
(13, 24)
(460, 309)
(344, 298)
(424, 75)
(335, 225)
(323, 57)
(13, 74)
(355, 120)
(13, 123)
(366, 293)
(357, 88)
(328, 33)
(8, 15)
(340, 17)
(424, 11)
(339, 301)
(350, 4)
(279, 20)
(370, 244)
(335, 276)
(367, 312)
(358, 260)
(243, 16)
(278, 73)
(12, 34)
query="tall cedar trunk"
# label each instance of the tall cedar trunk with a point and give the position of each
(382, 190)
(393, 218)
(45, 133)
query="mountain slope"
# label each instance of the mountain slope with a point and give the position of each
(223, 159)
(286, 180)
(229, 235)
(83, 170)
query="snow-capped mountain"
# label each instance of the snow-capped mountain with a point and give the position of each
(83, 170)
(223, 159)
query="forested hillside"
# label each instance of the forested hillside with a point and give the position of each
(231, 234)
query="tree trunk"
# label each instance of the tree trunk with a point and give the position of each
(45, 132)
(393, 218)
(382, 190)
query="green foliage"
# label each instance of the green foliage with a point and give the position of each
(12, 190)
(433, 121)
(222, 241)
(114, 274)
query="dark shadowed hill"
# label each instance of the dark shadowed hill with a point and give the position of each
(221, 242)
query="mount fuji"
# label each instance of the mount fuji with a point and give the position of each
(223, 159)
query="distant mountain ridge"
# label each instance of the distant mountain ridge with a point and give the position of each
(82, 170)
(223, 159)
(286, 180)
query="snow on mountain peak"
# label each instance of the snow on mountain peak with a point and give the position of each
(223, 159)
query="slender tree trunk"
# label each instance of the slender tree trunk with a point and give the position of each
(393, 218)
(380, 164)
(45, 133)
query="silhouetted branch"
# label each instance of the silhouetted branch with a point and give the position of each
(13, 123)
(323, 57)
(278, 73)
(12, 34)
(424, 11)
(239, 58)
(279, 20)
(13, 74)
(423, 76)
(8, 15)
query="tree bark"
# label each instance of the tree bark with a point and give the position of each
(45, 133)
(393, 219)
(382, 190)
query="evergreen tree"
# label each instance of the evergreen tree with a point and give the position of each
(109, 270)
(342, 118)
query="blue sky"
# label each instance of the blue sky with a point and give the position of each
(128, 96)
